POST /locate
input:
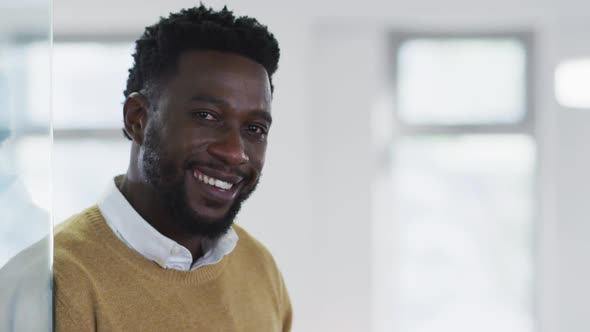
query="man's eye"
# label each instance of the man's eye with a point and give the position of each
(204, 115)
(258, 130)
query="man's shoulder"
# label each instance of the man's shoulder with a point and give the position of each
(77, 239)
(77, 228)
(256, 262)
(251, 247)
(248, 239)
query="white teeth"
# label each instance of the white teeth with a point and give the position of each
(213, 182)
(222, 184)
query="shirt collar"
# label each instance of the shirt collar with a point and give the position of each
(139, 235)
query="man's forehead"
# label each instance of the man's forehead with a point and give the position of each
(213, 72)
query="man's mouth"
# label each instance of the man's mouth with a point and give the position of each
(226, 184)
(212, 181)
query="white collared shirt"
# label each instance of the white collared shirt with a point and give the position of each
(140, 236)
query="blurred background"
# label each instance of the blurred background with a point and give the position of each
(427, 165)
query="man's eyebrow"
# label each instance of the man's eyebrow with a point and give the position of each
(210, 99)
(264, 115)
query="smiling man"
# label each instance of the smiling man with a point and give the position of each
(160, 252)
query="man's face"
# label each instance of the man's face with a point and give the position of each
(206, 139)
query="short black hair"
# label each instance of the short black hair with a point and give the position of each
(198, 28)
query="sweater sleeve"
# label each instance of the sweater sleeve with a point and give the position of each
(73, 310)
(287, 309)
(67, 319)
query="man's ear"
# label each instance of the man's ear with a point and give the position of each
(135, 114)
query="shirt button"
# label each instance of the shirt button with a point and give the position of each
(175, 250)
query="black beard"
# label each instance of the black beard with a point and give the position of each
(169, 184)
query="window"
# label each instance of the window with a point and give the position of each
(462, 180)
(461, 81)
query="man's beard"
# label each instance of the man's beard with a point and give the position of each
(169, 184)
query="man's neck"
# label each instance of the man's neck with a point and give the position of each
(143, 200)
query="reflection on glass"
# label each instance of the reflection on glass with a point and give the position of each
(82, 71)
(464, 206)
(77, 185)
(86, 126)
(25, 224)
(458, 81)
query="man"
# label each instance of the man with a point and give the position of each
(159, 252)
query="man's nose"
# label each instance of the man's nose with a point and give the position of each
(229, 148)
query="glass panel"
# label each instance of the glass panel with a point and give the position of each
(461, 81)
(572, 79)
(25, 215)
(80, 183)
(464, 209)
(82, 72)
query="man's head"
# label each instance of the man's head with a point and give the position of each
(198, 112)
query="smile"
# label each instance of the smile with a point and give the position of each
(217, 183)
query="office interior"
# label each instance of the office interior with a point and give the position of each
(427, 166)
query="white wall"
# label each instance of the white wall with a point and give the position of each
(313, 206)
(566, 268)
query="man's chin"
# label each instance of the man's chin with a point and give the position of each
(211, 229)
(208, 222)
(198, 215)
(209, 212)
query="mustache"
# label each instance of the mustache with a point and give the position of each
(190, 164)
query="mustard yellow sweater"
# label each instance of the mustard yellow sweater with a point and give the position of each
(103, 285)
